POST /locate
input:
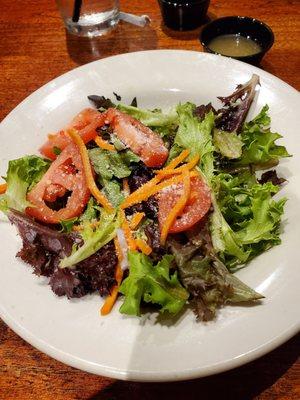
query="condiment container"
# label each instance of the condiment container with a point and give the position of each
(248, 27)
(183, 15)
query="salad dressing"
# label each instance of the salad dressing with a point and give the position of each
(234, 45)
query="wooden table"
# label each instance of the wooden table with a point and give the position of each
(35, 49)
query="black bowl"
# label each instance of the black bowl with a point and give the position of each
(244, 26)
(183, 15)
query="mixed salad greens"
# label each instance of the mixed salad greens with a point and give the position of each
(154, 207)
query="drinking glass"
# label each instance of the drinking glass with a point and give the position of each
(89, 17)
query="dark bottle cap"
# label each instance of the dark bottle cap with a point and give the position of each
(183, 15)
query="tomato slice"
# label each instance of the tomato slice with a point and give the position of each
(86, 122)
(141, 139)
(197, 207)
(64, 175)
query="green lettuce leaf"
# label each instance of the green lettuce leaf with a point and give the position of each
(229, 144)
(259, 145)
(234, 196)
(224, 240)
(128, 157)
(246, 219)
(93, 238)
(175, 150)
(155, 118)
(152, 284)
(22, 174)
(109, 164)
(67, 224)
(266, 216)
(113, 191)
(91, 212)
(196, 136)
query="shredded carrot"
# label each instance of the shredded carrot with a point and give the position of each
(88, 170)
(178, 207)
(136, 219)
(126, 188)
(3, 188)
(143, 246)
(103, 144)
(127, 233)
(190, 165)
(145, 191)
(140, 192)
(111, 299)
(177, 160)
(153, 186)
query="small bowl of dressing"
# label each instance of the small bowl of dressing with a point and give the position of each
(243, 38)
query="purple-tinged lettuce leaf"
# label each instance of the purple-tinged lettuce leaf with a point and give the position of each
(205, 277)
(43, 248)
(271, 176)
(236, 106)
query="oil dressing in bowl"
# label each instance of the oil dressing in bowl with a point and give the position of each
(234, 45)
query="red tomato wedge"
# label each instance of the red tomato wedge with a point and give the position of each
(64, 175)
(86, 123)
(141, 139)
(196, 208)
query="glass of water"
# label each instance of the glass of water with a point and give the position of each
(89, 17)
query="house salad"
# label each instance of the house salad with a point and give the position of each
(158, 208)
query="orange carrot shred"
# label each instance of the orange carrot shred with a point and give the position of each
(111, 299)
(3, 188)
(103, 144)
(140, 193)
(88, 170)
(190, 165)
(178, 207)
(177, 160)
(127, 233)
(145, 191)
(136, 219)
(143, 246)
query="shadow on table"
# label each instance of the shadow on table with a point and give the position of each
(242, 383)
(125, 38)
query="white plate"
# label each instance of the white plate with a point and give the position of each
(142, 349)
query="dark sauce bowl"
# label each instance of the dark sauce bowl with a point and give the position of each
(244, 26)
(183, 15)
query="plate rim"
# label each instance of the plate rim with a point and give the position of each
(135, 375)
(149, 376)
(199, 53)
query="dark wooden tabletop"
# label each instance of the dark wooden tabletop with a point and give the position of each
(34, 49)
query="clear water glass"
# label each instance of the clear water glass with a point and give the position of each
(89, 17)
